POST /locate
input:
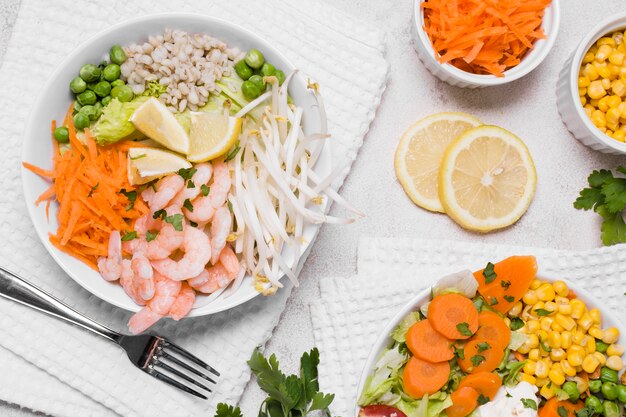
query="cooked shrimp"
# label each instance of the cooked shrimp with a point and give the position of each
(220, 228)
(110, 267)
(143, 281)
(159, 306)
(134, 245)
(200, 177)
(211, 279)
(197, 248)
(203, 210)
(167, 188)
(221, 184)
(230, 262)
(168, 240)
(126, 280)
(183, 303)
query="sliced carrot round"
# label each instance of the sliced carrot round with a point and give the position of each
(453, 315)
(486, 383)
(480, 356)
(493, 329)
(551, 408)
(421, 377)
(464, 401)
(426, 343)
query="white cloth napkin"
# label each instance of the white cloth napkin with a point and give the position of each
(352, 311)
(52, 367)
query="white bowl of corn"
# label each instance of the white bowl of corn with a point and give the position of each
(591, 91)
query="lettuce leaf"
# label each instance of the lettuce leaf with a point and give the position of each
(386, 376)
(510, 372)
(399, 333)
(114, 124)
(429, 406)
(462, 282)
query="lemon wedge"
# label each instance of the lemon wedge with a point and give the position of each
(420, 151)
(487, 179)
(147, 164)
(211, 135)
(155, 121)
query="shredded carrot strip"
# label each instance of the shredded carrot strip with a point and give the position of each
(86, 183)
(483, 36)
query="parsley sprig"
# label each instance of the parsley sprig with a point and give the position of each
(606, 195)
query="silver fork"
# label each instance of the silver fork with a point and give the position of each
(154, 355)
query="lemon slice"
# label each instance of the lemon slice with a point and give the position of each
(487, 179)
(211, 135)
(420, 151)
(147, 164)
(155, 121)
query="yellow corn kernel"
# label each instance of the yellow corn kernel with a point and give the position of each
(560, 299)
(600, 357)
(542, 367)
(595, 314)
(534, 355)
(551, 306)
(540, 382)
(567, 322)
(594, 48)
(589, 57)
(615, 350)
(557, 327)
(583, 100)
(612, 117)
(557, 376)
(618, 37)
(523, 349)
(605, 73)
(532, 341)
(596, 332)
(583, 82)
(535, 283)
(554, 340)
(557, 354)
(590, 363)
(529, 367)
(507, 321)
(516, 309)
(596, 90)
(591, 72)
(619, 88)
(578, 336)
(566, 339)
(532, 326)
(603, 104)
(582, 92)
(568, 369)
(611, 335)
(542, 334)
(603, 51)
(560, 287)
(619, 135)
(604, 130)
(547, 391)
(530, 297)
(574, 358)
(614, 362)
(611, 128)
(605, 40)
(528, 378)
(588, 110)
(546, 323)
(585, 321)
(621, 47)
(565, 309)
(622, 109)
(546, 292)
(613, 101)
(615, 70)
(591, 344)
(616, 58)
(578, 307)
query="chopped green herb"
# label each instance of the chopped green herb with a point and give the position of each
(225, 410)
(230, 206)
(505, 284)
(233, 152)
(509, 298)
(489, 273)
(187, 204)
(187, 173)
(160, 213)
(129, 236)
(508, 395)
(204, 189)
(477, 359)
(134, 158)
(528, 403)
(190, 184)
(193, 224)
(483, 400)
(131, 196)
(542, 312)
(175, 220)
(562, 411)
(479, 303)
(482, 346)
(464, 329)
(94, 188)
(493, 301)
(516, 323)
(150, 236)
(460, 353)
(545, 347)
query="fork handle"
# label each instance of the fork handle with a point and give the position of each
(17, 289)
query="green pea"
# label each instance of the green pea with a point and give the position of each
(98, 106)
(78, 85)
(254, 58)
(258, 81)
(611, 409)
(571, 390)
(123, 93)
(102, 89)
(117, 55)
(81, 120)
(601, 346)
(117, 83)
(111, 72)
(268, 69)
(609, 390)
(594, 404)
(608, 375)
(87, 97)
(61, 134)
(90, 73)
(281, 76)
(106, 100)
(89, 111)
(250, 90)
(243, 70)
(595, 385)
(621, 393)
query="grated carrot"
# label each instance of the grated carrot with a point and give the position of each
(86, 183)
(483, 36)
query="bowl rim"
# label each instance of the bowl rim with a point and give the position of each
(414, 303)
(62, 66)
(607, 25)
(488, 80)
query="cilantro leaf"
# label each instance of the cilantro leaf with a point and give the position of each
(127, 236)
(545, 347)
(542, 312)
(321, 401)
(150, 236)
(131, 196)
(193, 224)
(290, 391)
(613, 229)
(509, 298)
(505, 284)
(482, 346)
(175, 220)
(464, 329)
(562, 411)
(187, 204)
(494, 301)
(516, 323)
(187, 173)
(225, 410)
(589, 198)
(94, 188)
(528, 403)
(614, 192)
(134, 158)
(269, 377)
(460, 353)
(477, 359)
(233, 152)
(308, 372)
(160, 213)
(489, 273)
(204, 189)
(597, 178)
(482, 399)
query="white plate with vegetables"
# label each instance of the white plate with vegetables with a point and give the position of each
(187, 166)
(503, 341)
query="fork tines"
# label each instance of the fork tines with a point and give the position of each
(175, 366)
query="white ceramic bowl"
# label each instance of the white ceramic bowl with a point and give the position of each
(568, 100)
(454, 76)
(55, 98)
(384, 340)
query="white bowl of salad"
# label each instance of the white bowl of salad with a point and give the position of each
(503, 341)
